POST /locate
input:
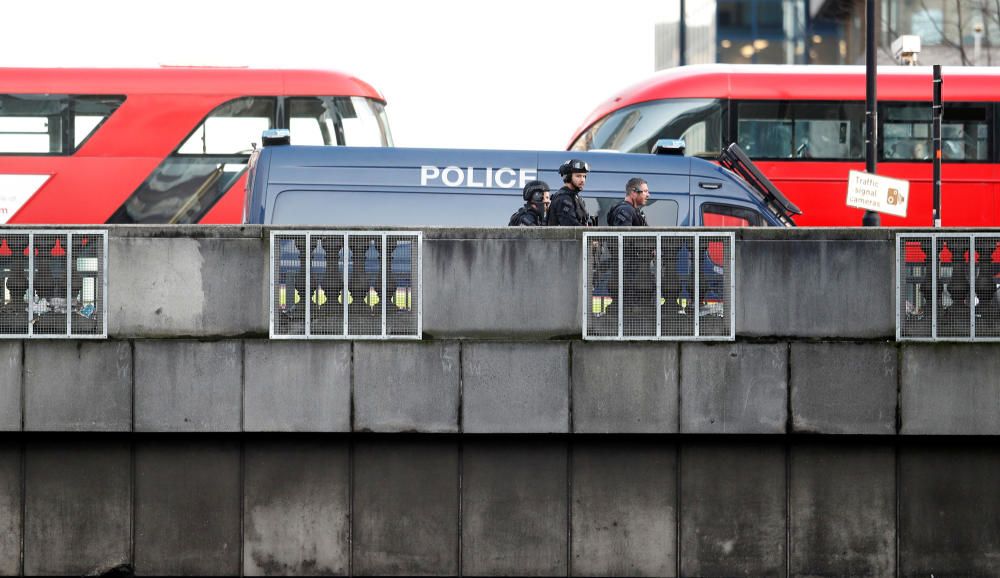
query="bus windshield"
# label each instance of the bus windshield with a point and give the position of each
(636, 128)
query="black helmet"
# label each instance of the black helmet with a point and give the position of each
(572, 166)
(534, 191)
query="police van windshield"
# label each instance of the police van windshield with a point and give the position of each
(636, 128)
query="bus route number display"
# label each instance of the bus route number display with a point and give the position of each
(877, 193)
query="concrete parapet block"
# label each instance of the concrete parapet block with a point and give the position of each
(78, 386)
(187, 507)
(402, 387)
(406, 507)
(949, 509)
(296, 508)
(509, 283)
(78, 516)
(195, 285)
(950, 389)
(819, 286)
(11, 507)
(732, 509)
(624, 520)
(842, 510)
(297, 386)
(514, 508)
(734, 388)
(10, 385)
(515, 388)
(843, 388)
(625, 387)
(183, 386)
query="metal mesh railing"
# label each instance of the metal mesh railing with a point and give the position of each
(53, 284)
(339, 285)
(948, 286)
(658, 286)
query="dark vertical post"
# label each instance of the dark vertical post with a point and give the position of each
(938, 109)
(682, 36)
(871, 218)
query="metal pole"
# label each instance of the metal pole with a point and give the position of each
(937, 109)
(871, 218)
(682, 36)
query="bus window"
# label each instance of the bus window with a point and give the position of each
(716, 215)
(315, 121)
(351, 121)
(363, 122)
(636, 128)
(189, 182)
(801, 130)
(231, 128)
(50, 124)
(906, 130)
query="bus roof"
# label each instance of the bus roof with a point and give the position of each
(184, 80)
(801, 82)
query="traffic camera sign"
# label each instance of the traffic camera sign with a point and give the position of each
(877, 193)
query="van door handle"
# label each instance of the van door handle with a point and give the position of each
(709, 185)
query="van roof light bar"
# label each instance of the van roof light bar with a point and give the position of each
(733, 158)
(669, 146)
(276, 136)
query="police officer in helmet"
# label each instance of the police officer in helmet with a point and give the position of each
(536, 201)
(628, 212)
(568, 209)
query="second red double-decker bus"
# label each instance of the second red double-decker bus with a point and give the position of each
(804, 126)
(161, 145)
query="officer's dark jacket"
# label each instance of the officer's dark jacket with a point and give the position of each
(526, 216)
(567, 209)
(625, 215)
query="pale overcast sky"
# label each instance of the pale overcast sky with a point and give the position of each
(498, 74)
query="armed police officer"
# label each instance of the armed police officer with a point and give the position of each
(536, 201)
(567, 208)
(628, 212)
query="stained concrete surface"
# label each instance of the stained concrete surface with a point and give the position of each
(296, 507)
(514, 508)
(624, 517)
(732, 509)
(187, 506)
(78, 516)
(625, 387)
(294, 386)
(78, 386)
(406, 507)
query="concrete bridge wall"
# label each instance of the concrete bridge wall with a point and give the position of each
(188, 443)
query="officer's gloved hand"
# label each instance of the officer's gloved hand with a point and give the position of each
(592, 221)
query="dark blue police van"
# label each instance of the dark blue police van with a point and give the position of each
(385, 187)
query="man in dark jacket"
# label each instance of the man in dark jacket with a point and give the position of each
(628, 213)
(536, 200)
(567, 209)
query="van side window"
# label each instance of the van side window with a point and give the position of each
(715, 215)
(659, 212)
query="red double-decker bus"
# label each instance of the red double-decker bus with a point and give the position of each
(161, 145)
(804, 126)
